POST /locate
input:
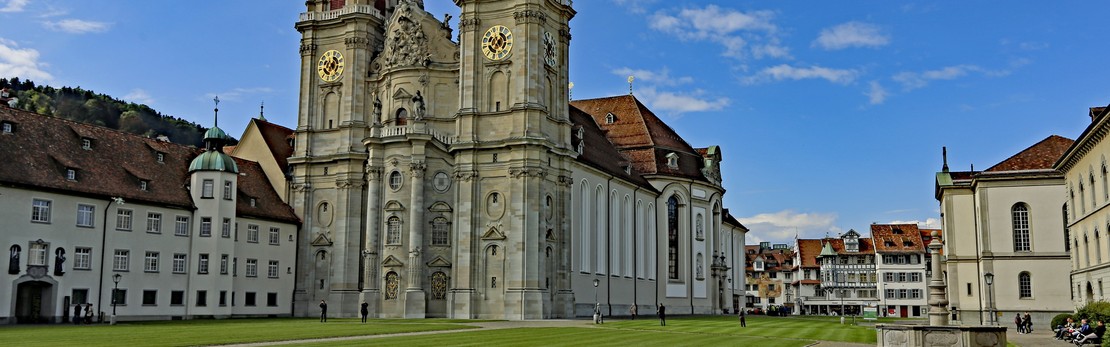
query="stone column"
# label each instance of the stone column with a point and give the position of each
(370, 254)
(938, 304)
(414, 293)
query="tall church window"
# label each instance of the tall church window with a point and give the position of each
(1105, 187)
(439, 231)
(391, 284)
(1082, 197)
(439, 285)
(1067, 233)
(1020, 218)
(402, 117)
(1093, 203)
(393, 231)
(1025, 285)
(672, 238)
(1098, 248)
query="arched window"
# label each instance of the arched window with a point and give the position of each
(439, 232)
(393, 231)
(672, 238)
(1082, 197)
(1105, 187)
(1086, 251)
(1067, 233)
(391, 284)
(402, 117)
(1093, 192)
(1025, 285)
(1020, 217)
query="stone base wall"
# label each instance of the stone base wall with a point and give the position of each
(894, 335)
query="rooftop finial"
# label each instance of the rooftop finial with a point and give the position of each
(262, 111)
(630, 80)
(216, 111)
(570, 91)
(944, 153)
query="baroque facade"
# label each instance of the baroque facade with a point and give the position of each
(162, 231)
(444, 178)
(1008, 221)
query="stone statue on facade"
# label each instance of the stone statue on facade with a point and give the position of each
(418, 106)
(377, 109)
(59, 259)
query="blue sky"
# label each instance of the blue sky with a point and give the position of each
(831, 117)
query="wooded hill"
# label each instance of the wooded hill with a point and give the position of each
(90, 107)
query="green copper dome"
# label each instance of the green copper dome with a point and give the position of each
(215, 133)
(213, 161)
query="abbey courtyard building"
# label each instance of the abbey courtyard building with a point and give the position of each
(432, 172)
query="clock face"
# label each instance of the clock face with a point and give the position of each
(550, 50)
(330, 66)
(497, 42)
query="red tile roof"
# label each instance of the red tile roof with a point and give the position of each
(1039, 156)
(599, 153)
(642, 137)
(897, 238)
(809, 250)
(784, 257)
(42, 148)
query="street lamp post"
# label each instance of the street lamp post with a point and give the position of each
(596, 303)
(115, 292)
(989, 278)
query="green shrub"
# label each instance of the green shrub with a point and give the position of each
(1060, 319)
(1094, 312)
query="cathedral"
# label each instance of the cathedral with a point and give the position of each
(443, 172)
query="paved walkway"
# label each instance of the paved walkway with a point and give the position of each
(1036, 339)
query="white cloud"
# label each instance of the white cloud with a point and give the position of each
(732, 29)
(928, 223)
(787, 72)
(784, 225)
(14, 6)
(23, 63)
(851, 34)
(679, 103)
(77, 26)
(647, 89)
(237, 94)
(914, 80)
(661, 77)
(635, 6)
(139, 96)
(876, 94)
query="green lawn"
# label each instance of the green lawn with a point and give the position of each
(680, 331)
(212, 332)
(570, 337)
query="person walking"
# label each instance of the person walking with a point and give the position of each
(662, 312)
(632, 311)
(77, 318)
(88, 313)
(743, 323)
(365, 311)
(1020, 325)
(323, 311)
(1027, 320)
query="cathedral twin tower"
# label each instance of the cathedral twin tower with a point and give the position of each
(433, 176)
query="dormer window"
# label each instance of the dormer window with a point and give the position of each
(610, 118)
(161, 157)
(907, 243)
(71, 174)
(254, 203)
(86, 143)
(672, 160)
(144, 185)
(581, 147)
(627, 169)
(897, 231)
(7, 127)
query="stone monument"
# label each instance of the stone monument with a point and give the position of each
(938, 332)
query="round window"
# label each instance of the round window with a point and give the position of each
(442, 182)
(395, 180)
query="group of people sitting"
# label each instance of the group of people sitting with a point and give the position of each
(1081, 333)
